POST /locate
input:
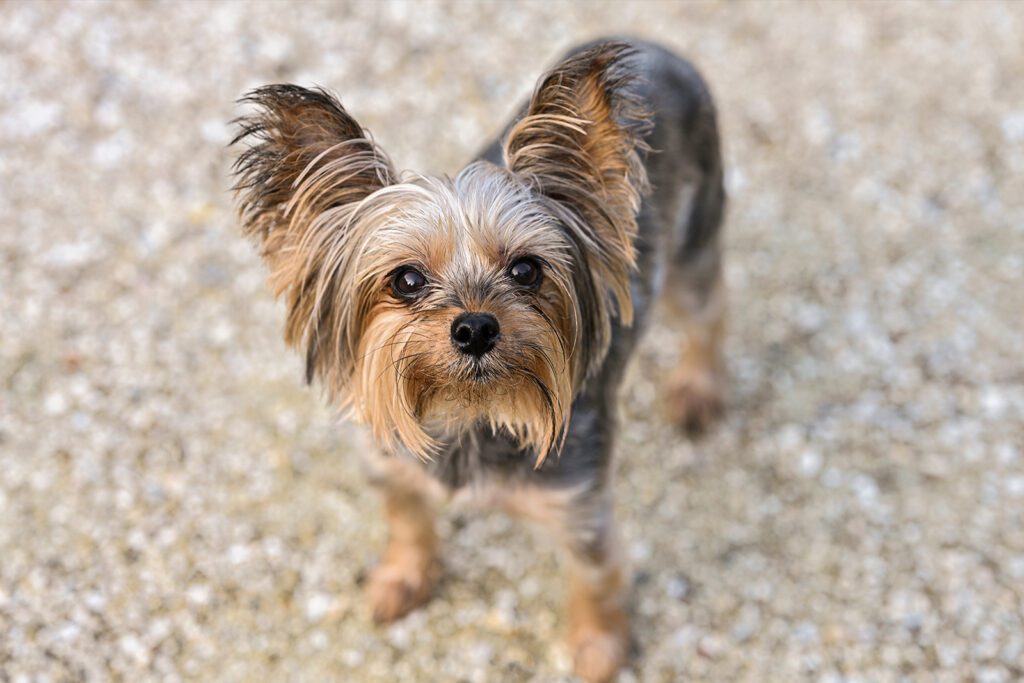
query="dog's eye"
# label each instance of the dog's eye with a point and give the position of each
(526, 272)
(407, 283)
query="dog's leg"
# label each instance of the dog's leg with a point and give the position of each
(598, 623)
(411, 566)
(694, 391)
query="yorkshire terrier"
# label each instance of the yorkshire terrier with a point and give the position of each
(480, 325)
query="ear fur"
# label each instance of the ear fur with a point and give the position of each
(579, 145)
(308, 166)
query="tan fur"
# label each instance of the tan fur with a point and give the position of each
(410, 567)
(598, 623)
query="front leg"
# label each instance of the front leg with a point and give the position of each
(410, 566)
(598, 621)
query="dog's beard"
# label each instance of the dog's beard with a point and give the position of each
(415, 390)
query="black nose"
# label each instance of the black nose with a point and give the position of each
(475, 333)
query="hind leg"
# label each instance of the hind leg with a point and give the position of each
(695, 388)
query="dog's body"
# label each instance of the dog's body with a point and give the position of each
(546, 278)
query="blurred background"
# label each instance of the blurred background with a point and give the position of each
(175, 505)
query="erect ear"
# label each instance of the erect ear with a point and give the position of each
(578, 144)
(306, 170)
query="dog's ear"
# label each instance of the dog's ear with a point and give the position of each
(579, 144)
(298, 184)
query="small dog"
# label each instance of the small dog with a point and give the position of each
(480, 325)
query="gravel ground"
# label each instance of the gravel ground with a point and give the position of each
(175, 505)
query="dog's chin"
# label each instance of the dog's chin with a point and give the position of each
(460, 406)
(499, 392)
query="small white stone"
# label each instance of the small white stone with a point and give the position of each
(865, 488)
(399, 635)
(1015, 486)
(55, 404)
(222, 333)
(95, 601)
(134, 649)
(159, 629)
(68, 632)
(677, 588)
(238, 553)
(992, 674)
(317, 606)
(806, 632)
(1013, 126)
(31, 118)
(113, 151)
(640, 551)
(198, 594)
(273, 547)
(215, 132)
(1007, 453)
(318, 639)
(711, 646)
(810, 462)
(684, 637)
(993, 402)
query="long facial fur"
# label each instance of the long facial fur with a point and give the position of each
(335, 222)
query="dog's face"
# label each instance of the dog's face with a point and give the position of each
(427, 305)
(464, 308)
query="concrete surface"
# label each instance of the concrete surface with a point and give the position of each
(175, 505)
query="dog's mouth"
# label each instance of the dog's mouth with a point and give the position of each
(477, 373)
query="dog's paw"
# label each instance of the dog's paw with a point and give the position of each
(396, 588)
(598, 655)
(694, 401)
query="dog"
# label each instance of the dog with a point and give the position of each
(480, 325)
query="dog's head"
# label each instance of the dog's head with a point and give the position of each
(426, 305)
